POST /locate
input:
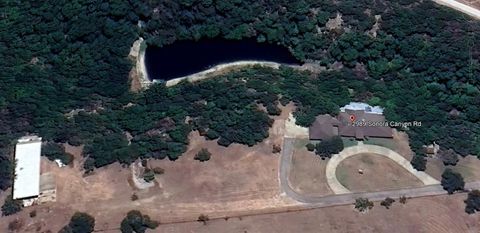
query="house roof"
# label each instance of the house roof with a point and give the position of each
(360, 132)
(362, 106)
(323, 127)
(27, 168)
(360, 115)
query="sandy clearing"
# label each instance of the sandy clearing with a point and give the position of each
(292, 130)
(139, 79)
(218, 69)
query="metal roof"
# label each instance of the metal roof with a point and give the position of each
(27, 167)
(362, 106)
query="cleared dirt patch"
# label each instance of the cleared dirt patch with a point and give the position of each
(307, 174)
(442, 214)
(379, 173)
(472, 3)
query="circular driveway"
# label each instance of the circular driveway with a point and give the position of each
(361, 148)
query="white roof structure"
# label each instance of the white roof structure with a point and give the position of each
(362, 106)
(27, 167)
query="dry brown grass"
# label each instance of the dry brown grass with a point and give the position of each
(379, 173)
(307, 174)
(469, 167)
(236, 180)
(472, 3)
(441, 214)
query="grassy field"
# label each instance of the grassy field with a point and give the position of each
(301, 143)
(348, 142)
(379, 173)
(307, 173)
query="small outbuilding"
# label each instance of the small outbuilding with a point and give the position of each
(30, 186)
(27, 168)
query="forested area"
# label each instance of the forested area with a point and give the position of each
(57, 56)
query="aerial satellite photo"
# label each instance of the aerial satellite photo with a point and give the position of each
(240, 116)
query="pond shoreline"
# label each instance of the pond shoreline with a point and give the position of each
(143, 78)
(139, 79)
(219, 69)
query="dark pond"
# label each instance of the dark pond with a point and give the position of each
(188, 57)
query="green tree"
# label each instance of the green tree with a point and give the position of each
(135, 222)
(80, 223)
(452, 181)
(363, 204)
(203, 218)
(310, 147)
(11, 206)
(56, 151)
(328, 147)
(472, 204)
(449, 157)
(6, 172)
(419, 162)
(148, 175)
(203, 155)
(387, 202)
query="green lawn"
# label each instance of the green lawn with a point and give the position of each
(342, 176)
(348, 142)
(385, 142)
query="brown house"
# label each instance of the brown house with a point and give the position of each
(326, 126)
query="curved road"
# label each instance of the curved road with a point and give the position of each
(345, 199)
(469, 10)
(361, 148)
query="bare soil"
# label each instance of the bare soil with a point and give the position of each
(441, 214)
(134, 79)
(236, 180)
(307, 173)
(472, 3)
(379, 173)
(402, 145)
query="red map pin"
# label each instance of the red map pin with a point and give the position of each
(352, 118)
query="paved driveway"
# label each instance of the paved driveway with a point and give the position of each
(348, 198)
(361, 148)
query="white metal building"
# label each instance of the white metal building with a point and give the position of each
(362, 106)
(27, 168)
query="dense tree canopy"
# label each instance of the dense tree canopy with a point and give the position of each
(328, 147)
(419, 162)
(11, 206)
(420, 61)
(452, 181)
(135, 222)
(472, 204)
